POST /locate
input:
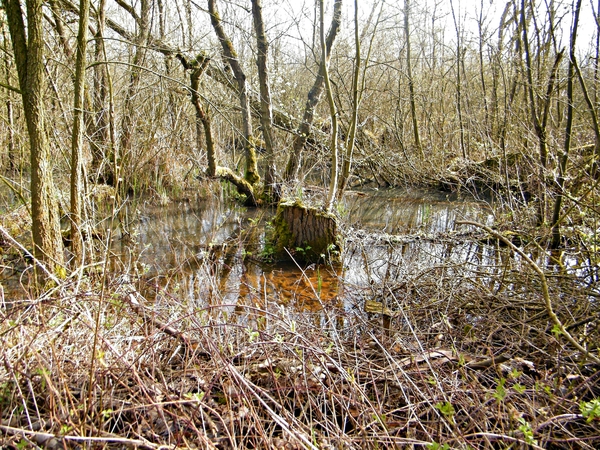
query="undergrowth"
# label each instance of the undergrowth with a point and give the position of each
(465, 357)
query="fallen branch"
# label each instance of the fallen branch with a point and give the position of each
(242, 186)
(544, 282)
(50, 440)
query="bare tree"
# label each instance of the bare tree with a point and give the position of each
(77, 191)
(266, 110)
(103, 109)
(350, 140)
(539, 121)
(129, 113)
(231, 58)
(564, 159)
(333, 180)
(411, 86)
(203, 122)
(459, 98)
(29, 59)
(314, 95)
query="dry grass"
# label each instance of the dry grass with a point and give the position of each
(467, 359)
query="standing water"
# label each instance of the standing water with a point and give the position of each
(212, 253)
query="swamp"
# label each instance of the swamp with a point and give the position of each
(299, 225)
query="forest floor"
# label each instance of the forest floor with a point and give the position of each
(448, 356)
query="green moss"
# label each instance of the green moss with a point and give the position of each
(200, 58)
(251, 163)
(281, 237)
(230, 48)
(321, 247)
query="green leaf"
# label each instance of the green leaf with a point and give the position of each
(556, 331)
(527, 431)
(519, 388)
(436, 446)
(446, 409)
(196, 396)
(500, 392)
(590, 410)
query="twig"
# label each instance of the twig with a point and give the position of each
(561, 418)
(167, 329)
(544, 282)
(42, 438)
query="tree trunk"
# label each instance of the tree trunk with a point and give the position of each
(562, 168)
(129, 113)
(349, 147)
(198, 66)
(251, 175)
(314, 95)
(358, 87)
(411, 87)
(266, 110)
(101, 125)
(10, 144)
(203, 122)
(333, 180)
(540, 124)
(77, 191)
(459, 57)
(305, 234)
(92, 127)
(29, 60)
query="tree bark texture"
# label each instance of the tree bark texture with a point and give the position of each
(77, 191)
(29, 60)
(305, 234)
(10, 144)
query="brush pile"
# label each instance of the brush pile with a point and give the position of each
(458, 356)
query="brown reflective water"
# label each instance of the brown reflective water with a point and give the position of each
(211, 253)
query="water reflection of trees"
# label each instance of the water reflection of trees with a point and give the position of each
(207, 254)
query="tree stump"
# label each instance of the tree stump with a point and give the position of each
(305, 234)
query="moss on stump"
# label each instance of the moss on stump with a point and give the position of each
(305, 234)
